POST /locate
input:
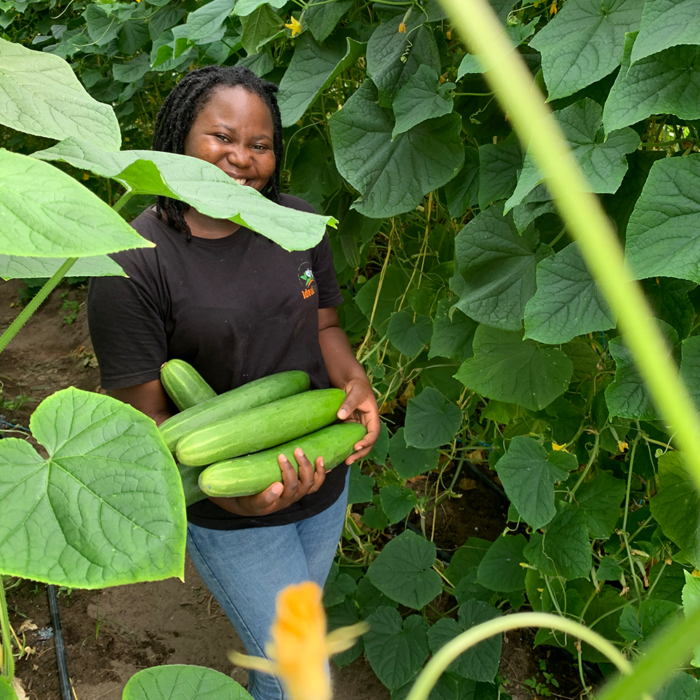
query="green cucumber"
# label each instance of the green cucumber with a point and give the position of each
(242, 398)
(251, 474)
(184, 384)
(260, 428)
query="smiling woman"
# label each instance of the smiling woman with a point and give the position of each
(237, 307)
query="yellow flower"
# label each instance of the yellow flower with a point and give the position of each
(553, 8)
(622, 446)
(402, 28)
(295, 26)
(299, 649)
(559, 448)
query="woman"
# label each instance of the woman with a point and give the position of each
(237, 307)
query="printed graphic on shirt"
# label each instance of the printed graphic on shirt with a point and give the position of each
(307, 280)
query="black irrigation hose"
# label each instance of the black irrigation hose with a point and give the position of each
(485, 479)
(60, 645)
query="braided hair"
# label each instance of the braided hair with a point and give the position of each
(181, 108)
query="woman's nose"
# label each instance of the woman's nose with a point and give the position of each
(238, 155)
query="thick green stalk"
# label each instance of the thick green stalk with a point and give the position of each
(35, 303)
(582, 213)
(437, 665)
(8, 662)
(665, 656)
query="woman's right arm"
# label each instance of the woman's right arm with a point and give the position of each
(149, 398)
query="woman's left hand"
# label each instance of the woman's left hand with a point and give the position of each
(360, 406)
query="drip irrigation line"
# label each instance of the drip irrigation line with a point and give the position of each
(60, 645)
(485, 479)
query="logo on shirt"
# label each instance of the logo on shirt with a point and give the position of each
(307, 280)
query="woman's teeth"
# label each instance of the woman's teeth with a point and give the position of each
(240, 181)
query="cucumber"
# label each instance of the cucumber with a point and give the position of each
(251, 474)
(184, 384)
(242, 398)
(260, 428)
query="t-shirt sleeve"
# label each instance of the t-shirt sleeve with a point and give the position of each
(127, 332)
(324, 272)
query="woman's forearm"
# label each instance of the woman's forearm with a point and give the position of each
(341, 365)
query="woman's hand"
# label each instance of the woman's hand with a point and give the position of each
(360, 406)
(280, 494)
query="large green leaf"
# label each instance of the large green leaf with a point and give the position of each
(392, 176)
(409, 335)
(202, 185)
(397, 502)
(663, 233)
(102, 24)
(395, 648)
(500, 568)
(133, 70)
(528, 479)
(499, 167)
(323, 18)
(507, 368)
(564, 549)
(628, 395)
(410, 461)
(462, 191)
(676, 506)
(600, 500)
(667, 23)
(498, 266)
(665, 82)
(480, 663)
(421, 98)
(104, 508)
(466, 558)
(393, 56)
(403, 571)
(431, 420)
(669, 300)
(453, 333)
(182, 683)
(259, 26)
(245, 7)
(16, 267)
(46, 213)
(207, 20)
(568, 302)
(602, 160)
(584, 42)
(39, 94)
(312, 69)
(681, 687)
(6, 690)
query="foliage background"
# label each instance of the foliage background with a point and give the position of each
(471, 310)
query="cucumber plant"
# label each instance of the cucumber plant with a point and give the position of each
(475, 315)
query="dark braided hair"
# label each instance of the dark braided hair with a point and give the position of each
(181, 108)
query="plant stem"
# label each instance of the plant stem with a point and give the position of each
(432, 672)
(625, 538)
(123, 200)
(582, 213)
(594, 454)
(34, 304)
(8, 662)
(664, 657)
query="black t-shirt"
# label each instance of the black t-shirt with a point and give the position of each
(236, 308)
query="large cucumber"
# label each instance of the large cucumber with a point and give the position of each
(184, 384)
(260, 428)
(251, 474)
(242, 398)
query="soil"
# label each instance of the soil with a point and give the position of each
(113, 633)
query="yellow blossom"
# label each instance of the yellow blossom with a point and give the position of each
(559, 448)
(622, 446)
(695, 573)
(295, 25)
(299, 647)
(553, 8)
(402, 28)
(448, 34)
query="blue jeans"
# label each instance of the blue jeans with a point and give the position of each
(245, 569)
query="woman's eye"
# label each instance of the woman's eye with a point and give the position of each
(221, 137)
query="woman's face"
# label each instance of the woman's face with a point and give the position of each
(234, 131)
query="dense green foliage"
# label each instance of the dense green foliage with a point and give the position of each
(474, 314)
